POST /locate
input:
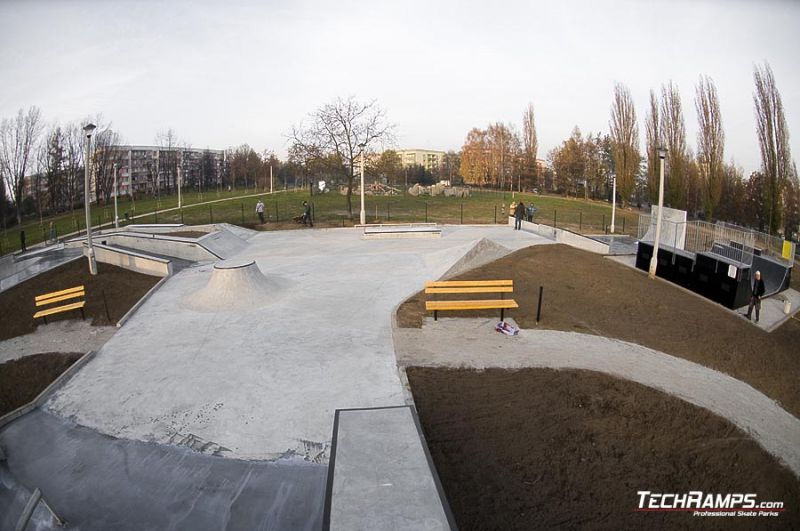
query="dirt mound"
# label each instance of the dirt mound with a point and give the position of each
(544, 449)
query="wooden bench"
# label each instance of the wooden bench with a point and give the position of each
(467, 287)
(59, 296)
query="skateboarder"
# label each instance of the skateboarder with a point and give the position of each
(519, 213)
(756, 292)
(307, 214)
(260, 210)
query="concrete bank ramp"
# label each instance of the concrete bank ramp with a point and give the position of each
(381, 475)
(236, 285)
(483, 252)
(15, 269)
(223, 243)
(97, 482)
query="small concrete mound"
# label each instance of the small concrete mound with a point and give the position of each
(482, 253)
(235, 285)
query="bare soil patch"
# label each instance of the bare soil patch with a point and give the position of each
(542, 449)
(23, 379)
(118, 287)
(587, 293)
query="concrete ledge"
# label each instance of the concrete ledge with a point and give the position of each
(49, 390)
(141, 263)
(381, 475)
(564, 236)
(179, 247)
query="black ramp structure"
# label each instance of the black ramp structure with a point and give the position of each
(776, 274)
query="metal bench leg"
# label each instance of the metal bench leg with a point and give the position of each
(435, 315)
(83, 315)
(45, 319)
(502, 313)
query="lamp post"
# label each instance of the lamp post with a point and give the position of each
(363, 146)
(116, 193)
(88, 130)
(613, 201)
(662, 154)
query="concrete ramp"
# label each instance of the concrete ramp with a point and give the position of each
(381, 475)
(236, 285)
(223, 243)
(483, 252)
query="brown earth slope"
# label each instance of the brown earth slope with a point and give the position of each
(546, 449)
(587, 293)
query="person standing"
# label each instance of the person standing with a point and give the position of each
(519, 213)
(757, 290)
(531, 210)
(260, 210)
(307, 214)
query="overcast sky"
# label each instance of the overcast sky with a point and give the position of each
(226, 73)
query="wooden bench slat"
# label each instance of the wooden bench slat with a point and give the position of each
(58, 293)
(61, 298)
(467, 283)
(59, 309)
(486, 304)
(488, 289)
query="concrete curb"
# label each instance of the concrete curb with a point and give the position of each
(141, 301)
(49, 390)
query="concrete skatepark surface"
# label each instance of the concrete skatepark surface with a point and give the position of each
(263, 383)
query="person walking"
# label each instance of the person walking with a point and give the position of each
(519, 213)
(307, 214)
(260, 211)
(757, 290)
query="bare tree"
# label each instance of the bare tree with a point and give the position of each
(710, 143)
(344, 128)
(673, 129)
(18, 138)
(530, 143)
(104, 156)
(167, 160)
(624, 141)
(73, 164)
(773, 139)
(654, 141)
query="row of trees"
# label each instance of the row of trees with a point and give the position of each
(698, 181)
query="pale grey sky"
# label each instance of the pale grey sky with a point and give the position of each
(225, 73)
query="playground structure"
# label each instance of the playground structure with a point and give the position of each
(716, 260)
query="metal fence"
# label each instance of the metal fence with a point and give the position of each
(723, 239)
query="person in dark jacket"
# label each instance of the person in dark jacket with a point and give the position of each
(757, 290)
(307, 218)
(519, 213)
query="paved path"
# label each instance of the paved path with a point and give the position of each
(72, 335)
(474, 343)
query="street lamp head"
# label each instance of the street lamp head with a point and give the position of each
(89, 129)
(662, 152)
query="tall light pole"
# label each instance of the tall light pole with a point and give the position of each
(116, 193)
(363, 213)
(662, 154)
(88, 130)
(613, 201)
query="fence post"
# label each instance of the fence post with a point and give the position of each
(495, 214)
(276, 211)
(539, 306)
(242, 205)
(604, 223)
(555, 216)
(462, 213)
(181, 216)
(156, 215)
(580, 220)
(623, 224)
(210, 214)
(388, 211)
(426, 211)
